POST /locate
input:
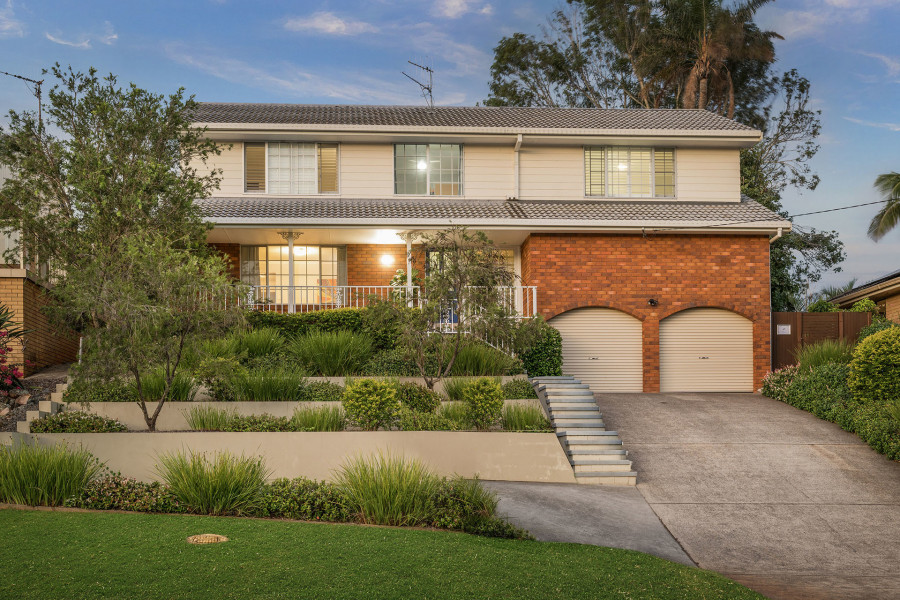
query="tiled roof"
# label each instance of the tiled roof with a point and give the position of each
(442, 211)
(486, 117)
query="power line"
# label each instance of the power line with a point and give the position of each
(36, 92)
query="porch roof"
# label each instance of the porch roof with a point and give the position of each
(516, 214)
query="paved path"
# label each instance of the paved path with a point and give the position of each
(766, 494)
(587, 514)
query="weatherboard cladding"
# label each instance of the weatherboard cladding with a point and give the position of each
(466, 117)
(266, 209)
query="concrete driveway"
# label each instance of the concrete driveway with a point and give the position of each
(768, 495)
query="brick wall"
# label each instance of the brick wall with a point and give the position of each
(680, 271)
(232, 253)
(44, 345)
(364, 263)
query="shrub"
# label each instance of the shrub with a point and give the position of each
(397, 362)
(417, 398)
(273, 385)
(303, 499)
(777, 383)
(224, 347)
(484, 399)
(322, 418)
(297, 324)
(824, 352)
(332, 353)
(388, 490)
(525, 417)
(370, 403)
(465, 505)
(258, 423)
(878, 324)
(380, 322)
(544, 357)
(218, 376)
(875, 368)
(225, 484)
(479, 360)
(410, 420)
(261, 342)
(455, 387)
(821, 390)
(456, 412)
(822, 306)
(114, 492)
(208, 418)
(874, 424)
(865, 305)
(518, 389)
(321, 391)
(153, 384)
(76, 421)
(44, 475)
(85, 392)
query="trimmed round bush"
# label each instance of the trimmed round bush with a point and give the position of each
(544, 358)
(76, 421)
(418, 398)
(484, 400)
(518, 389)
(371, 404)
(875, 368)
(321, 391)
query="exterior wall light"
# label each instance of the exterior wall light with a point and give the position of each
(387, 260)
(653, 302)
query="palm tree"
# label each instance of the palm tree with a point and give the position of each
(709, 39)
(889, 216)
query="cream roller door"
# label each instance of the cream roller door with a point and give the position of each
(602, 347)
(706, 350)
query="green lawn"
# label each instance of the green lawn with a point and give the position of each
(109, 555)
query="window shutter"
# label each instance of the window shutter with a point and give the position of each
(254, 166)
(328, 168)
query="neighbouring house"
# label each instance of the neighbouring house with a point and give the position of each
(884, 292)
(22, 291)
(626, 228)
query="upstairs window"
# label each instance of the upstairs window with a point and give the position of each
(428, 169)
(626, 172)
(290, 168)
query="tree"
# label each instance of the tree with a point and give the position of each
(159, 298)
(463, 300)
(888, 185)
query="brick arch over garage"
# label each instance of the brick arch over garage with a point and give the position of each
(679, 271)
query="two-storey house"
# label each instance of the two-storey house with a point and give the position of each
(626, 229)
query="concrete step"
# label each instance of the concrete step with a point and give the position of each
(555, 379)
(572, 405)
(607, 478)
(577, 423)
(598, 444)
(554, 393)
(49, 406)
(564, 385)
(32, 415)
(596, 436)
(578, 433)
(23, 427)
(61, 387)
(591, 466)
(568, 413)
(575, 401)
(57, 397)
(578, 453)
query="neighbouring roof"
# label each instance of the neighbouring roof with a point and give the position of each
(871, 288)
(397, 212)
(469, 117)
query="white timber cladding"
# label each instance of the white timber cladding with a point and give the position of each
(706, 350)
(545, 172)
(603, 348)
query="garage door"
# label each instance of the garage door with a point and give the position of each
(602, 347)
(706, 350)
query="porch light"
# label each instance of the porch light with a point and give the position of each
(422, 165)
(299, 250)
(387, 260)
(623, 167)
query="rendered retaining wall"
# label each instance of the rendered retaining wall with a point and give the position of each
(490, 455)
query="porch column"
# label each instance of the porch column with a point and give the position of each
(408, 236)
(289, 237)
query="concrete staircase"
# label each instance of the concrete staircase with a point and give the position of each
(596, 455)
(45, 407)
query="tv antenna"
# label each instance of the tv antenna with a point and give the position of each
(36, 91)
(426, 89)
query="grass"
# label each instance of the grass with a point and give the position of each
(388, 490)
(826, 351)
(332, 353)
(208, 418)
(261, 342)
(269, 385)
(455, 387)
(131, 556)
(153, 384)
(321, 418)
(457, 412)
(221, 485)
(525, 417)
(44, 475)
(477, 360)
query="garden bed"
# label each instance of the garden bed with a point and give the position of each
(504, 456)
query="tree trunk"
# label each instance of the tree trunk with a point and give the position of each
(730, 96)
(689, 96)
(703, 99)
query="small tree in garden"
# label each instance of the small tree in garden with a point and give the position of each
(9, 373)
(158, 299)
(463, 299)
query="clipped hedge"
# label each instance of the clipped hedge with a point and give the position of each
(484, 399)
(76, 421)
(294, 324)
(544, 358)
(370, 403)
(875, 368)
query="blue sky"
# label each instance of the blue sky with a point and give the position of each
(353, 52)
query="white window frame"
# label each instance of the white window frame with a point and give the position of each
(268, 187)
(428, 170)
(606, 177)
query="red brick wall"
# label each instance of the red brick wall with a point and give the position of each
(364, 263)
(232, 252)
(680, 271)
(44, 344)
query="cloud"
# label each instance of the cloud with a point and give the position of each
(9, 25)
(891, 63)
(888, 126)
(107, 37)
(816, 17)
(329, 24)
(454, 9)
